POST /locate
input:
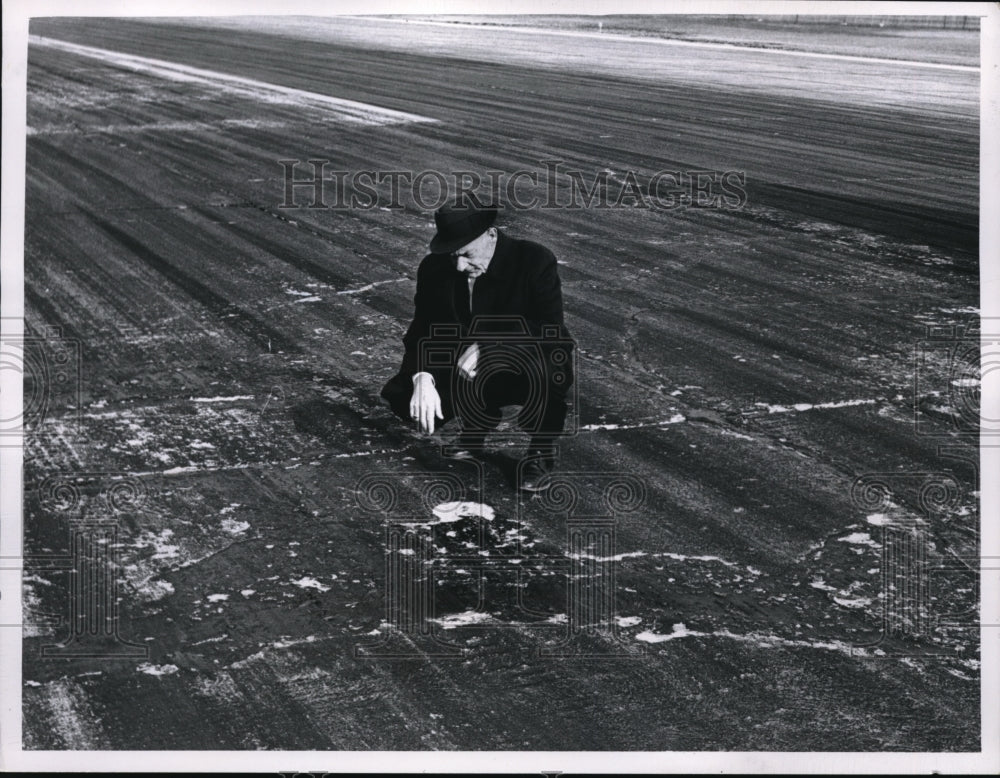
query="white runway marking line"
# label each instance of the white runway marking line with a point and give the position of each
(347, 110)
(692, 44)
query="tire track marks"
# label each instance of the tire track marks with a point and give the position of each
(264, 335)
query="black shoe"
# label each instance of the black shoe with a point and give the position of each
(534, 476)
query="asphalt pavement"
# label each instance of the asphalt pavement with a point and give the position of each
(766, 531)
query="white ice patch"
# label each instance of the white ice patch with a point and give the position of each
(755, 639)
(773, 641)
(462, 619)
(213, 639)
(31, 604)
(160, 542)
(366, 453)
(311, 583)
(151, 669)
(233, 398)
(966, 310)
(293, 642)
(628, 621)
(661, 555)
(372, 285)
(218, 597)
(859, 539)
(616, 558)
(856, 602)
(455, 511)
(210, 467)
(678, 631)
(798, 407)
(677, 418)
(878, 519)
(156, 590)
(234, 527)
(738, 435)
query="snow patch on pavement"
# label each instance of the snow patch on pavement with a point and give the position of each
(799, 407)
(678, 631)
(677, 418)
(455, 511)
(756, 639)
(859, 539)
(667, 555)
(158, 670)
(154, 590)
(234, 398)
(462, 619)
(310, 583)
(234, 527)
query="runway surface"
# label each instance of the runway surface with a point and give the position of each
(743, 366)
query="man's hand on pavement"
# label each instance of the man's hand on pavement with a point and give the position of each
(468, 361)
(425, 404)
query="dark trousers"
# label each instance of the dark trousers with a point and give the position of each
(478, 402)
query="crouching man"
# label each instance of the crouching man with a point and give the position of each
(487, 331)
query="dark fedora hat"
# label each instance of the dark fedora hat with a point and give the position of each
(459, 225)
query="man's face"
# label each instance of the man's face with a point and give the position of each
(473, 258)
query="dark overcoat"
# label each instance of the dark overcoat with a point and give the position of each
(516, 317)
